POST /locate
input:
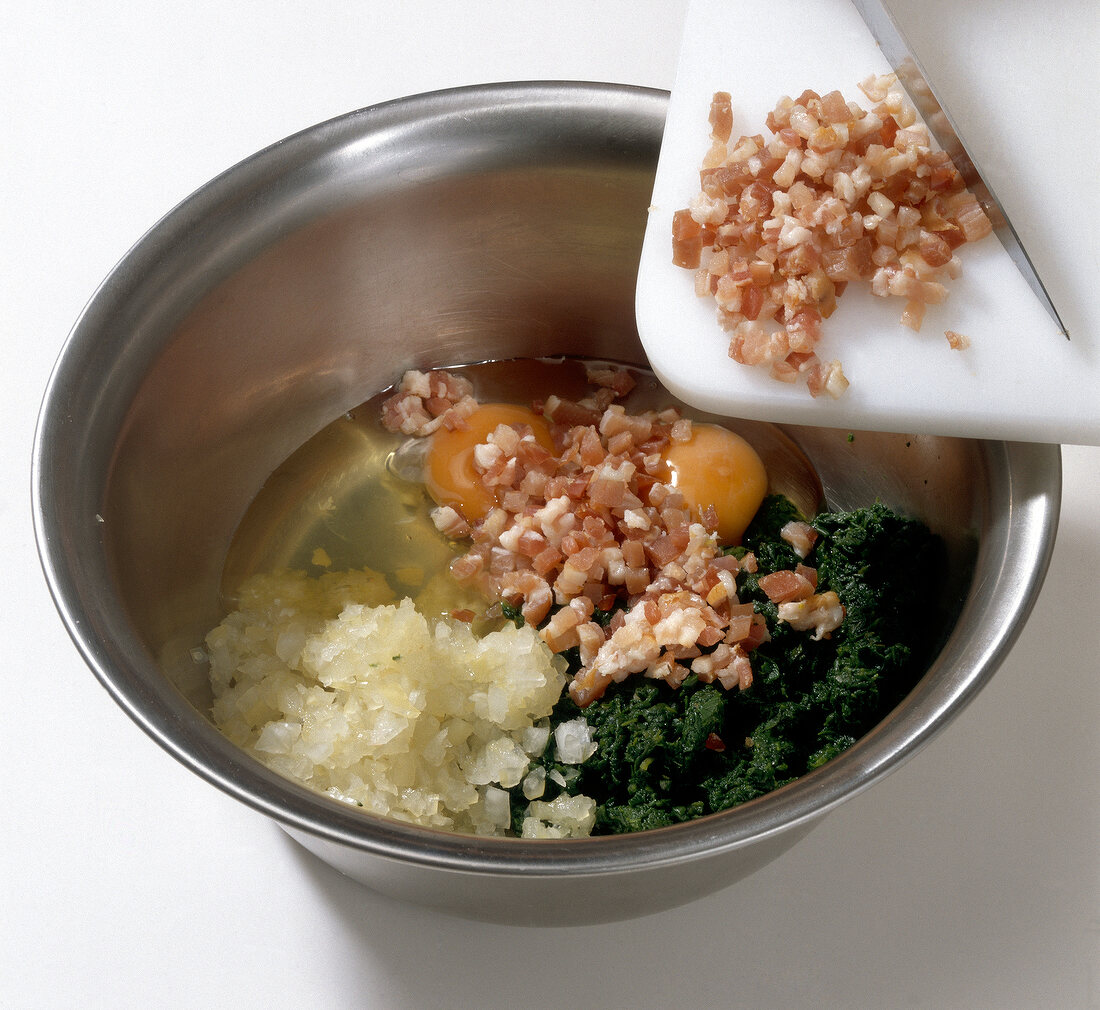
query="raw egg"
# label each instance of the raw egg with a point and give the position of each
(718, 468)
(449, 471)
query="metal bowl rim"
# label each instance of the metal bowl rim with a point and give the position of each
(297, 808)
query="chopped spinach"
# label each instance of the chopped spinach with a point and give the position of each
(512, 613)
(666, 756)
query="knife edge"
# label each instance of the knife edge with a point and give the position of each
(895, 47)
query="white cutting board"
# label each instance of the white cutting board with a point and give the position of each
(1019, 379)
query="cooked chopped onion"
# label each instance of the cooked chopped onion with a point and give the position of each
(326, 682)
(574, 741)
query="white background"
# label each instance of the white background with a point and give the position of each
(970, 878)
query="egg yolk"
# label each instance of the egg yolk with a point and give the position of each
(449, 471)
(717, 468)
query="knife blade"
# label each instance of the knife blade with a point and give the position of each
(895, 47)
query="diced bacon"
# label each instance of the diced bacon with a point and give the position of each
(616, 420)
(666, 547)
(463, 569)
(530, 543)
(586, 527)
(803, 330)
(739, 628)
(827, 378)
(709, 636)
(405, 413)
(534, 592)
(682, 627)
(584, 559)
(820, 613)
(546, 561)
(708, 210)
(561, 632)
(913, 315)
(588, 685)
(486, 455)
(636, 580)
(758, 634)
(633, 552)
(756, 199)
(933, 249)
(834, 109)
(569, 583)
(838, 194)
(618, 380)
(752, 344)
(436, 405)
(569, 413)
(708, 517)
(738, 672)
(425, 401)
(721, 116)
(590, 637)
(783, 586)
(800, 535)
(687, 240)
(448, 521)
(973, 222)
(590, 449)
(609, 482)
(809, 574)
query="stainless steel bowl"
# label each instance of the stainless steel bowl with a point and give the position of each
(486, 222)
